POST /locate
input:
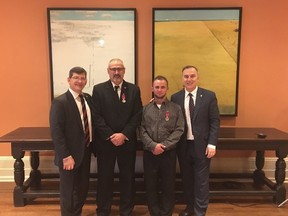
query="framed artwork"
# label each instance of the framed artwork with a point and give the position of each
(90, 38)
(208, 38)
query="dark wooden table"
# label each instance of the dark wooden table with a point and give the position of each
(37, 139)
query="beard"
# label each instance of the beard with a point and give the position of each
(116, 76)
(159, 97)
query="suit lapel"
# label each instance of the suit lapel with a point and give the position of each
(199, 101)
(124, 92)
(88, 99)
(181, 99)
(74, 108)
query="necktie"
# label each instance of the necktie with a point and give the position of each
(191, 106)
(116, 90)
(85, 120)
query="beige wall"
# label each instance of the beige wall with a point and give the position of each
(25, 73)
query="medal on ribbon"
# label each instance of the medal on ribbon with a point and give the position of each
(123, 98)
(167, 116)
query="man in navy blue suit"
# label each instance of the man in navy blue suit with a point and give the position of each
(118, 109)
(72, 147)
(198, 143)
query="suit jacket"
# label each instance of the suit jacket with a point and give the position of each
(67, 129)
(205, 121)
(114, 115)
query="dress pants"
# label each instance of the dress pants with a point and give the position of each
(106, 161)
(195, 177)
(159, 177)
(74, 185)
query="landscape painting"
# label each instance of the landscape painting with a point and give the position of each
(89, 38)
(208, 38)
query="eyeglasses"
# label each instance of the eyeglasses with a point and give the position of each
(120, 69)
(79, 78)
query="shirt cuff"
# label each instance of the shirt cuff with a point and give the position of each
(211, 146)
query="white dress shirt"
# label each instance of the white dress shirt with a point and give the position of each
(190, 135)
(119, 89)
(79, 105)
(187, 112)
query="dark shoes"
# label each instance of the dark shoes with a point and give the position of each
(186, 212)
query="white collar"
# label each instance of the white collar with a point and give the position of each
(194, 92)
(74, 94)
(120, 85)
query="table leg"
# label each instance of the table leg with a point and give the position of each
(280, 177)
(35, 174)
(19, 177)
(259, 175)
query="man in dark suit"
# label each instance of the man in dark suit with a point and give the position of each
(198, 143)
(118, 109)
(71, 138)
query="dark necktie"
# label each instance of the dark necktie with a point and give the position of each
(191, 106)
(116, 90)
(85, 119)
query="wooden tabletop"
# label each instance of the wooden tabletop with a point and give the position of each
(226, 133)
(229, 138)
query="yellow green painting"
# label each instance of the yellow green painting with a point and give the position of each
(207, 40)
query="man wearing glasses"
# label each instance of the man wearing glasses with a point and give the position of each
(118, 113)
(71, 131)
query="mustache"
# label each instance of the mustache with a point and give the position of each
(116, 76)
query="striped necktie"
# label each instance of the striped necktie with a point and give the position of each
(85, 120)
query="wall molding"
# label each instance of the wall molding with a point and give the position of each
(218, 165)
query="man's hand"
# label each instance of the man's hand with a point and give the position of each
(210, 152)
(118, 139)
(68, 163)
(159, 149)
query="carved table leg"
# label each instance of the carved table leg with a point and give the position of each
(19, 177)
(280, 177)
(35, 174)
(259, 175)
